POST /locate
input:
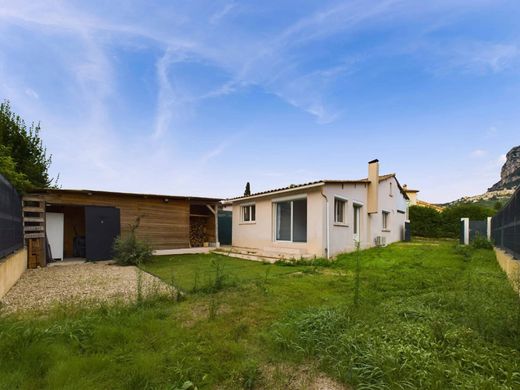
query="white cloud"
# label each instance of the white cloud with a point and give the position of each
(166, 97)
(270, 59)
(222, 13)
(491, 131)
(218, 150)
(479, 153)
(474, 57)
(31, 93)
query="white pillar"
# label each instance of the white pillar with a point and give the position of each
(466, 230)
(489, 228)
(217, 243)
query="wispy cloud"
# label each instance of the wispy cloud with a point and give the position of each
(166, 97)
(31, 93)
(222, 13)
(478, 153)
(309, 59)
(217, 151)
(491, 131)
(484, 57)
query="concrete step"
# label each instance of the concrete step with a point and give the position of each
(254, 257)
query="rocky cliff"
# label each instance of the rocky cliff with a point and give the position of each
(510, 174)
(502, 190)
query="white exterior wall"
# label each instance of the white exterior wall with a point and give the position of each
(392, 203)
(342, 235)
(260, 234)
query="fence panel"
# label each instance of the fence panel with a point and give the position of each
(505, 226)
(11, 221)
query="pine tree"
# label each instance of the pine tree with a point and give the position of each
(247, 191)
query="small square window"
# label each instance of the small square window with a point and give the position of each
(339, 210)
(386, 218)
(249, 213)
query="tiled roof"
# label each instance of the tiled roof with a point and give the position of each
(310, 184)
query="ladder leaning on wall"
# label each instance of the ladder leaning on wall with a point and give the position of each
(34, 231)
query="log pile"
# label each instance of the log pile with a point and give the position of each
(197, 232)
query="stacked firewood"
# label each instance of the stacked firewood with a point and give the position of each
(197, 233)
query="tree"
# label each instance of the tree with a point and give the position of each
(8, 170)
(498, 205)
(247, 191)
(24, 161)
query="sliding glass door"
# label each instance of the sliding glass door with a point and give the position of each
(291, 220)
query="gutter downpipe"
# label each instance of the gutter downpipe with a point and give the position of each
(328, 227)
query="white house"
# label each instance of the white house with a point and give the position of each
(322, 218)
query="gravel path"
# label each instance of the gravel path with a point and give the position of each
(79, 283)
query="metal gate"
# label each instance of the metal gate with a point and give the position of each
(471, 229)
(477, 228)
(407, 232)
(102, 226)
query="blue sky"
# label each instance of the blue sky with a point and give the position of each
(198, 97)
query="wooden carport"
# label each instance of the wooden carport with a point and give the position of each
(166, 222)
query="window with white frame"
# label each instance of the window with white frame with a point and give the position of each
(386, 220)
(291, 220)
(340, 208)
(249, 213)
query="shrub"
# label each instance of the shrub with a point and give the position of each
(130, 250)
(481, 242)
(428, 222)
(425, 221)
(451, 217)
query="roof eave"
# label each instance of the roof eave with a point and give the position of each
(270, 193)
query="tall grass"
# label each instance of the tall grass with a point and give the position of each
(463, 334)
(428, 315)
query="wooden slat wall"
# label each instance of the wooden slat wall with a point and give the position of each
(164, 225)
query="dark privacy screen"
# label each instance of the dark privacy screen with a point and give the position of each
(11, 222)
(505, 226)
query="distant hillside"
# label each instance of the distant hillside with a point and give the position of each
(488, 199)
(503, 189)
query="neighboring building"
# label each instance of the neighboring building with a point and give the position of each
(412, 195)
(84, 223)
(322, 218)
(413, 201)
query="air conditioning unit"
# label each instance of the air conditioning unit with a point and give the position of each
(380, 241)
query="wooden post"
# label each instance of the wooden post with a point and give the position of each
(214, 210)
(217, 243)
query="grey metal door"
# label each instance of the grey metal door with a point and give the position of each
(102, 226)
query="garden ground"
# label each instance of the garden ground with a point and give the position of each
(427, 314)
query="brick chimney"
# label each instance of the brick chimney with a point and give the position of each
(373, 187)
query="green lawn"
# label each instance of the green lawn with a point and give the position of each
(425, 314)
(195, 272)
